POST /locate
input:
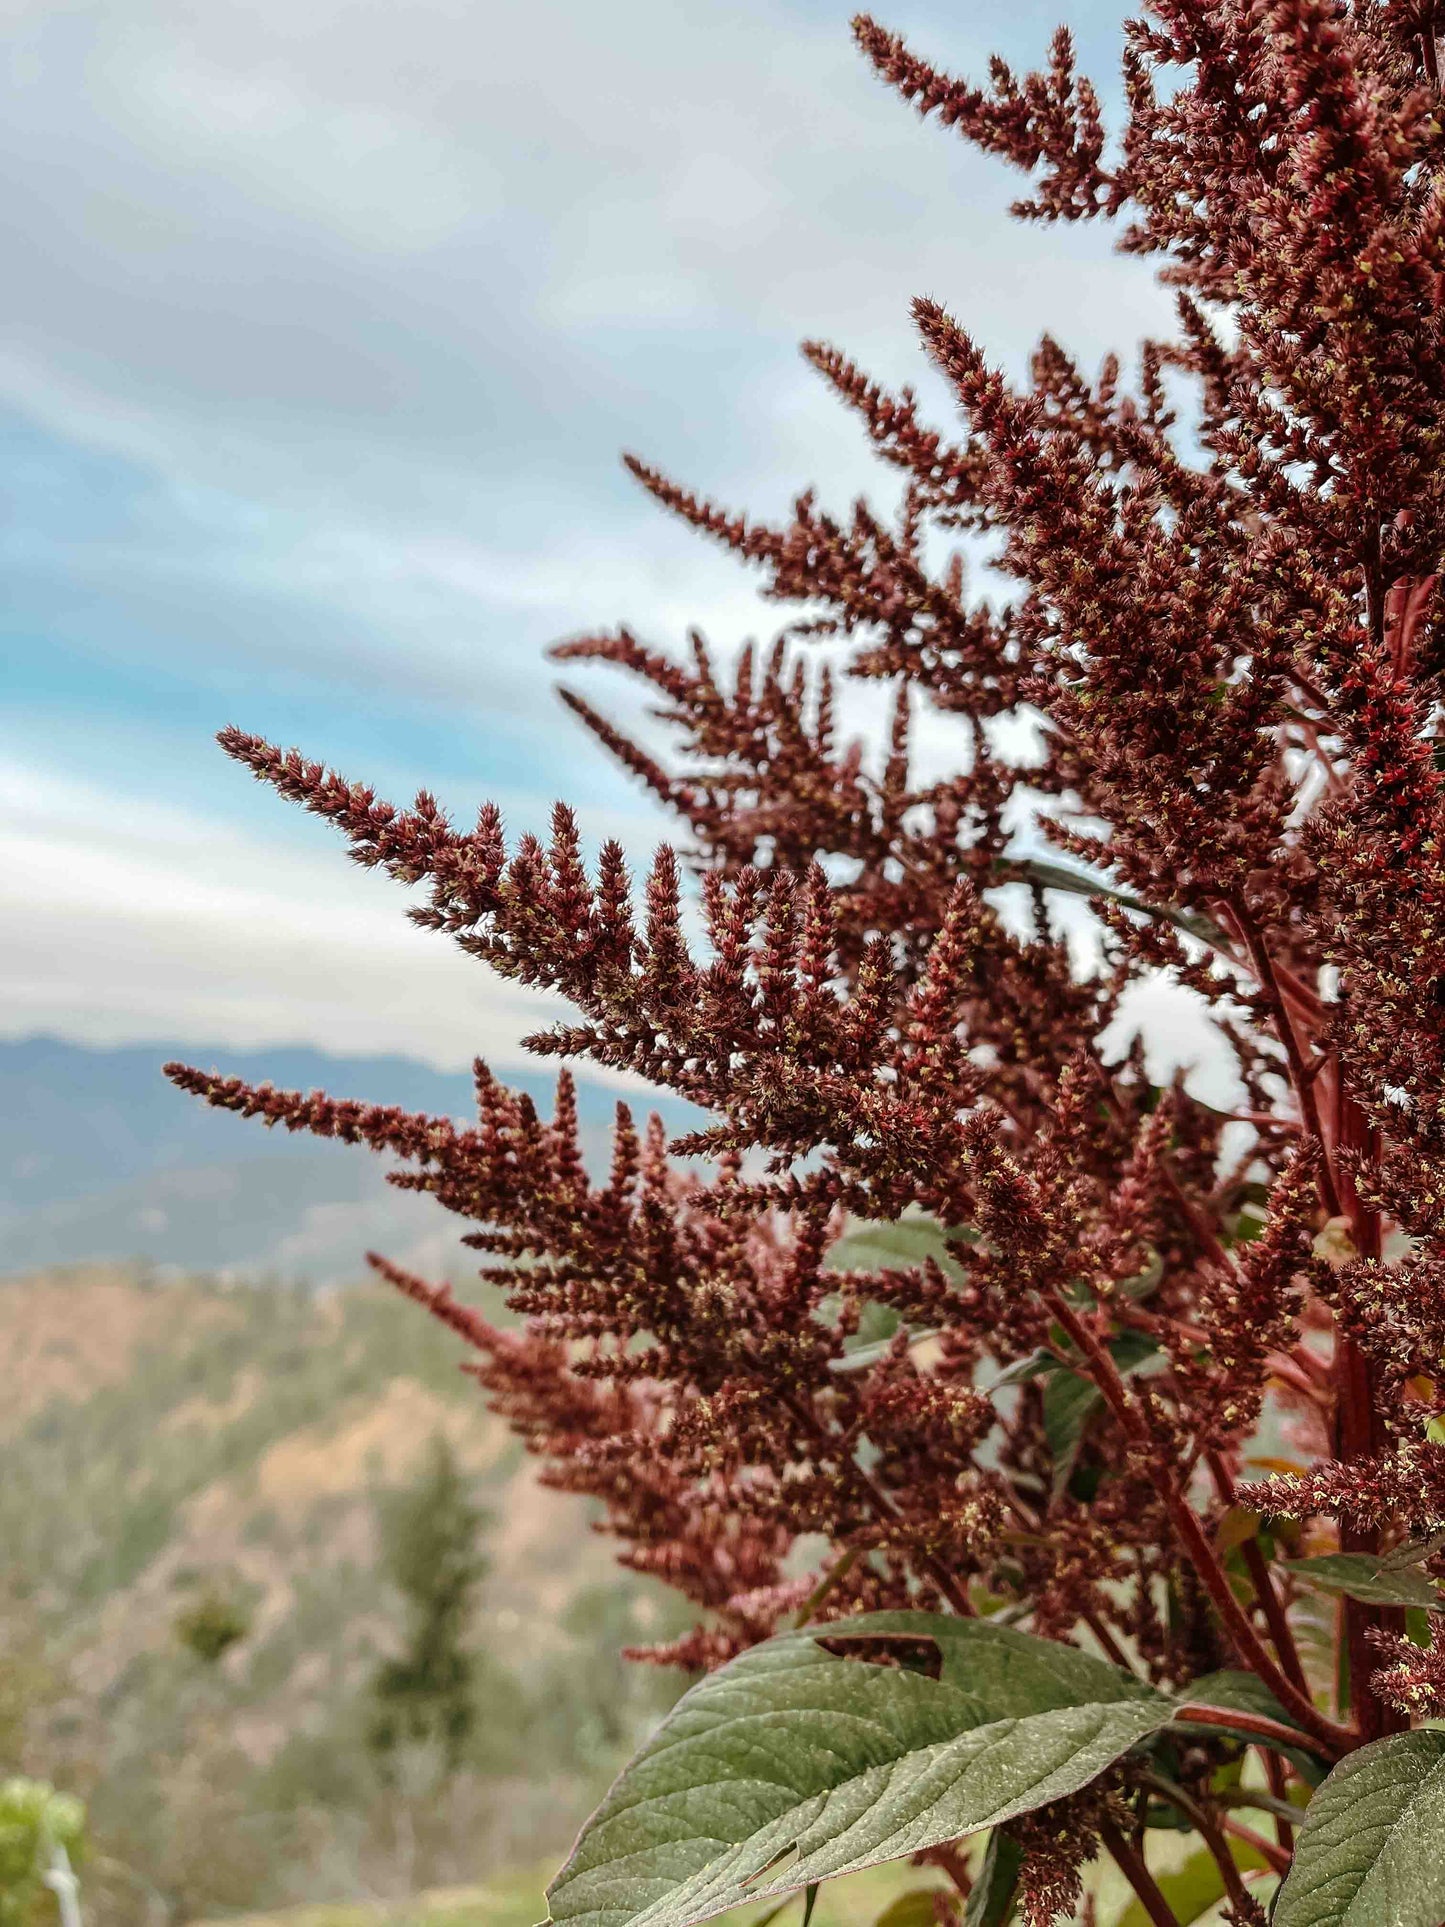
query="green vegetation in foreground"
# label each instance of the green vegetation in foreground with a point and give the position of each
(519, 1903)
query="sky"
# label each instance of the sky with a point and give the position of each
(324, 326)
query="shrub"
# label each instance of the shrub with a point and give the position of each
(212, 1624)
(40, 1831)
(1052, 1604)
(427, 1694)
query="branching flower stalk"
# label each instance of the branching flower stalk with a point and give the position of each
(1113, 1306)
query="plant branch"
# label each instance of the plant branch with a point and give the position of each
(1258, 1725)
(1270, 1803)
(1301, 1075)
(1107, 1640)
(1358, 1432)
(1262, 1580)
(1210, 1831)
(1251, 1648)
(952, 1863)
(825, 1585)
(1277, 1857)
(1131, 1865)
(879, 1500)
(1284, 1813)
(1299, 1369)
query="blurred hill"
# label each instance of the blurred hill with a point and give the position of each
(175, 1442)
(102, 1159)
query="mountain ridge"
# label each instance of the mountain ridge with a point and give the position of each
(101, 1158)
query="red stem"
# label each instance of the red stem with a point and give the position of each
(1300, 1369)
(1209, 1830)
(1311, 734)
(1131, 1865)
(1274, 1613)
(954, 1866)
(1107, 1640)
(1274, 1772)
(1358, 1431)
(1262, 1580)
(1311, 688)
(1276, 1857)
(1258, 1725)
(879, 1499)
(1300, 1073)
(1201, 1227)
(1251, 1648)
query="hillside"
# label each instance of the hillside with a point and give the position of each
(173, 1442)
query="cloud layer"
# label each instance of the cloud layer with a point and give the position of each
(325, 326)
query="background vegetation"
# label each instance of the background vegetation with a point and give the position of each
(209, 1495)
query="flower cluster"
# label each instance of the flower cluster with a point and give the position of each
(1103, 1294)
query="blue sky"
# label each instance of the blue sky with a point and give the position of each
(325, 324)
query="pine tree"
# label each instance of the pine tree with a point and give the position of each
(426, 1696)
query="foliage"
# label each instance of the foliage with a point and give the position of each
(36, 1823)
(426, 1695)
(1009, 1724)
(1372, 1847)
(277, 1424)
(1224, 646)
(212, 1624)
(512, 1902)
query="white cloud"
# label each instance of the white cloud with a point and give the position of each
(212, 242)
(1178, 1035)
(368, 297)
(126, 923)
(381, 179)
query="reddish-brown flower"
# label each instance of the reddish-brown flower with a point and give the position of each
(1104, 1301)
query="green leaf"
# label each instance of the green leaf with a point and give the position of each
(1192, 1889)
(913, 1909)
(1359, 1575)
(869, 1246)
(1071, 1401)
(1236, 1691)
(862, 1356)
(1132, 1351)
(810, 1901)
(1417, 1627)
(773, 1913)
(1036, 1365)
(794, 1764)
(1058, 876)
(1412, 1552)
(991, 1901)
(1371, 1850)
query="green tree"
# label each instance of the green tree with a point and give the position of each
(212, 1625)
(40, 1835)
(425, 1695)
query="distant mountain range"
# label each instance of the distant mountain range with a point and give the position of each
(101, 1158)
